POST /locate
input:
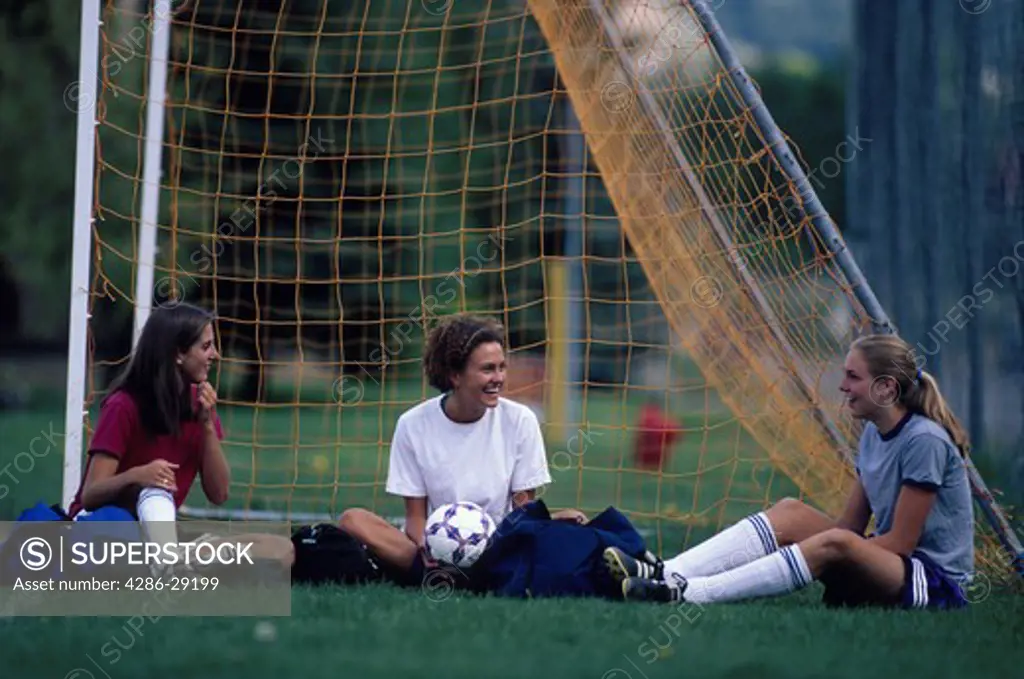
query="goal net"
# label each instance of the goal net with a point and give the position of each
(333, 178)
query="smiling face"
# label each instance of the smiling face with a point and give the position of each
(866, 394)
(484, 376)
(195, 363)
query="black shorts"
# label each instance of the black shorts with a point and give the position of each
(925, 585)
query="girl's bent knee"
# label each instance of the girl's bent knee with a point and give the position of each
(352, 519)
(789, 504)
(836, 544)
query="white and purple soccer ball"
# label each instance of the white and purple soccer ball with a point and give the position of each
(458, 533)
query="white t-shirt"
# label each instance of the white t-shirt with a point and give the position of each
(483, 462)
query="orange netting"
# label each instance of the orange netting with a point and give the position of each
(337, 175)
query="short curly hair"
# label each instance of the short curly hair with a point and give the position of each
(451, 342)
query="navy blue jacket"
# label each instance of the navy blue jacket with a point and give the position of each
(533, 555)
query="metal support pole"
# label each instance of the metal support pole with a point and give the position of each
(787, 160)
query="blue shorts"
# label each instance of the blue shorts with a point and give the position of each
(925, 586)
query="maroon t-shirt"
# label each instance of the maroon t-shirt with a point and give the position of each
(119, 433)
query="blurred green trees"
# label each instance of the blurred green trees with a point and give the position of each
(38, 62)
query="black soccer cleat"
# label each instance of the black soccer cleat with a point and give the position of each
(622, 565)
(643, 589)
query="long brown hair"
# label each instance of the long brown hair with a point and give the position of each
(889, 356)
(152, 379)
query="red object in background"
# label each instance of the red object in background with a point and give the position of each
(656, 433)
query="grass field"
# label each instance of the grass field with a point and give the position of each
(377, 631)
(382, 632)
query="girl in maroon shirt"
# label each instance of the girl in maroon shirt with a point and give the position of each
(158, 427)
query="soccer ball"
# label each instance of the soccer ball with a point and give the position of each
(458, 533)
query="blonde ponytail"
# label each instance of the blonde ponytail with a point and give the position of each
(926, 399)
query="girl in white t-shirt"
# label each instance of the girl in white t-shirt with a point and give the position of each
(467, 444)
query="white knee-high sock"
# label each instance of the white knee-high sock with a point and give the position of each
(157, 514)
(739, 544)
(779, 573)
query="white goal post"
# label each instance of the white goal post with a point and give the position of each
(85, 161)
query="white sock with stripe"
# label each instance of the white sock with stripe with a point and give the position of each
(779, 573)
(737, 545)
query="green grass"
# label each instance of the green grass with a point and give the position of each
(382, 631)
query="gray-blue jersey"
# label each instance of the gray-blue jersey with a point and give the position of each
(920, 452)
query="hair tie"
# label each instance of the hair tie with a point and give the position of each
(919, 373)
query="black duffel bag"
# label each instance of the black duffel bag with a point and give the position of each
(325, 554)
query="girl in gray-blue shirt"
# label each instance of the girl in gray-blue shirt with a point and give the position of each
(910, 476)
